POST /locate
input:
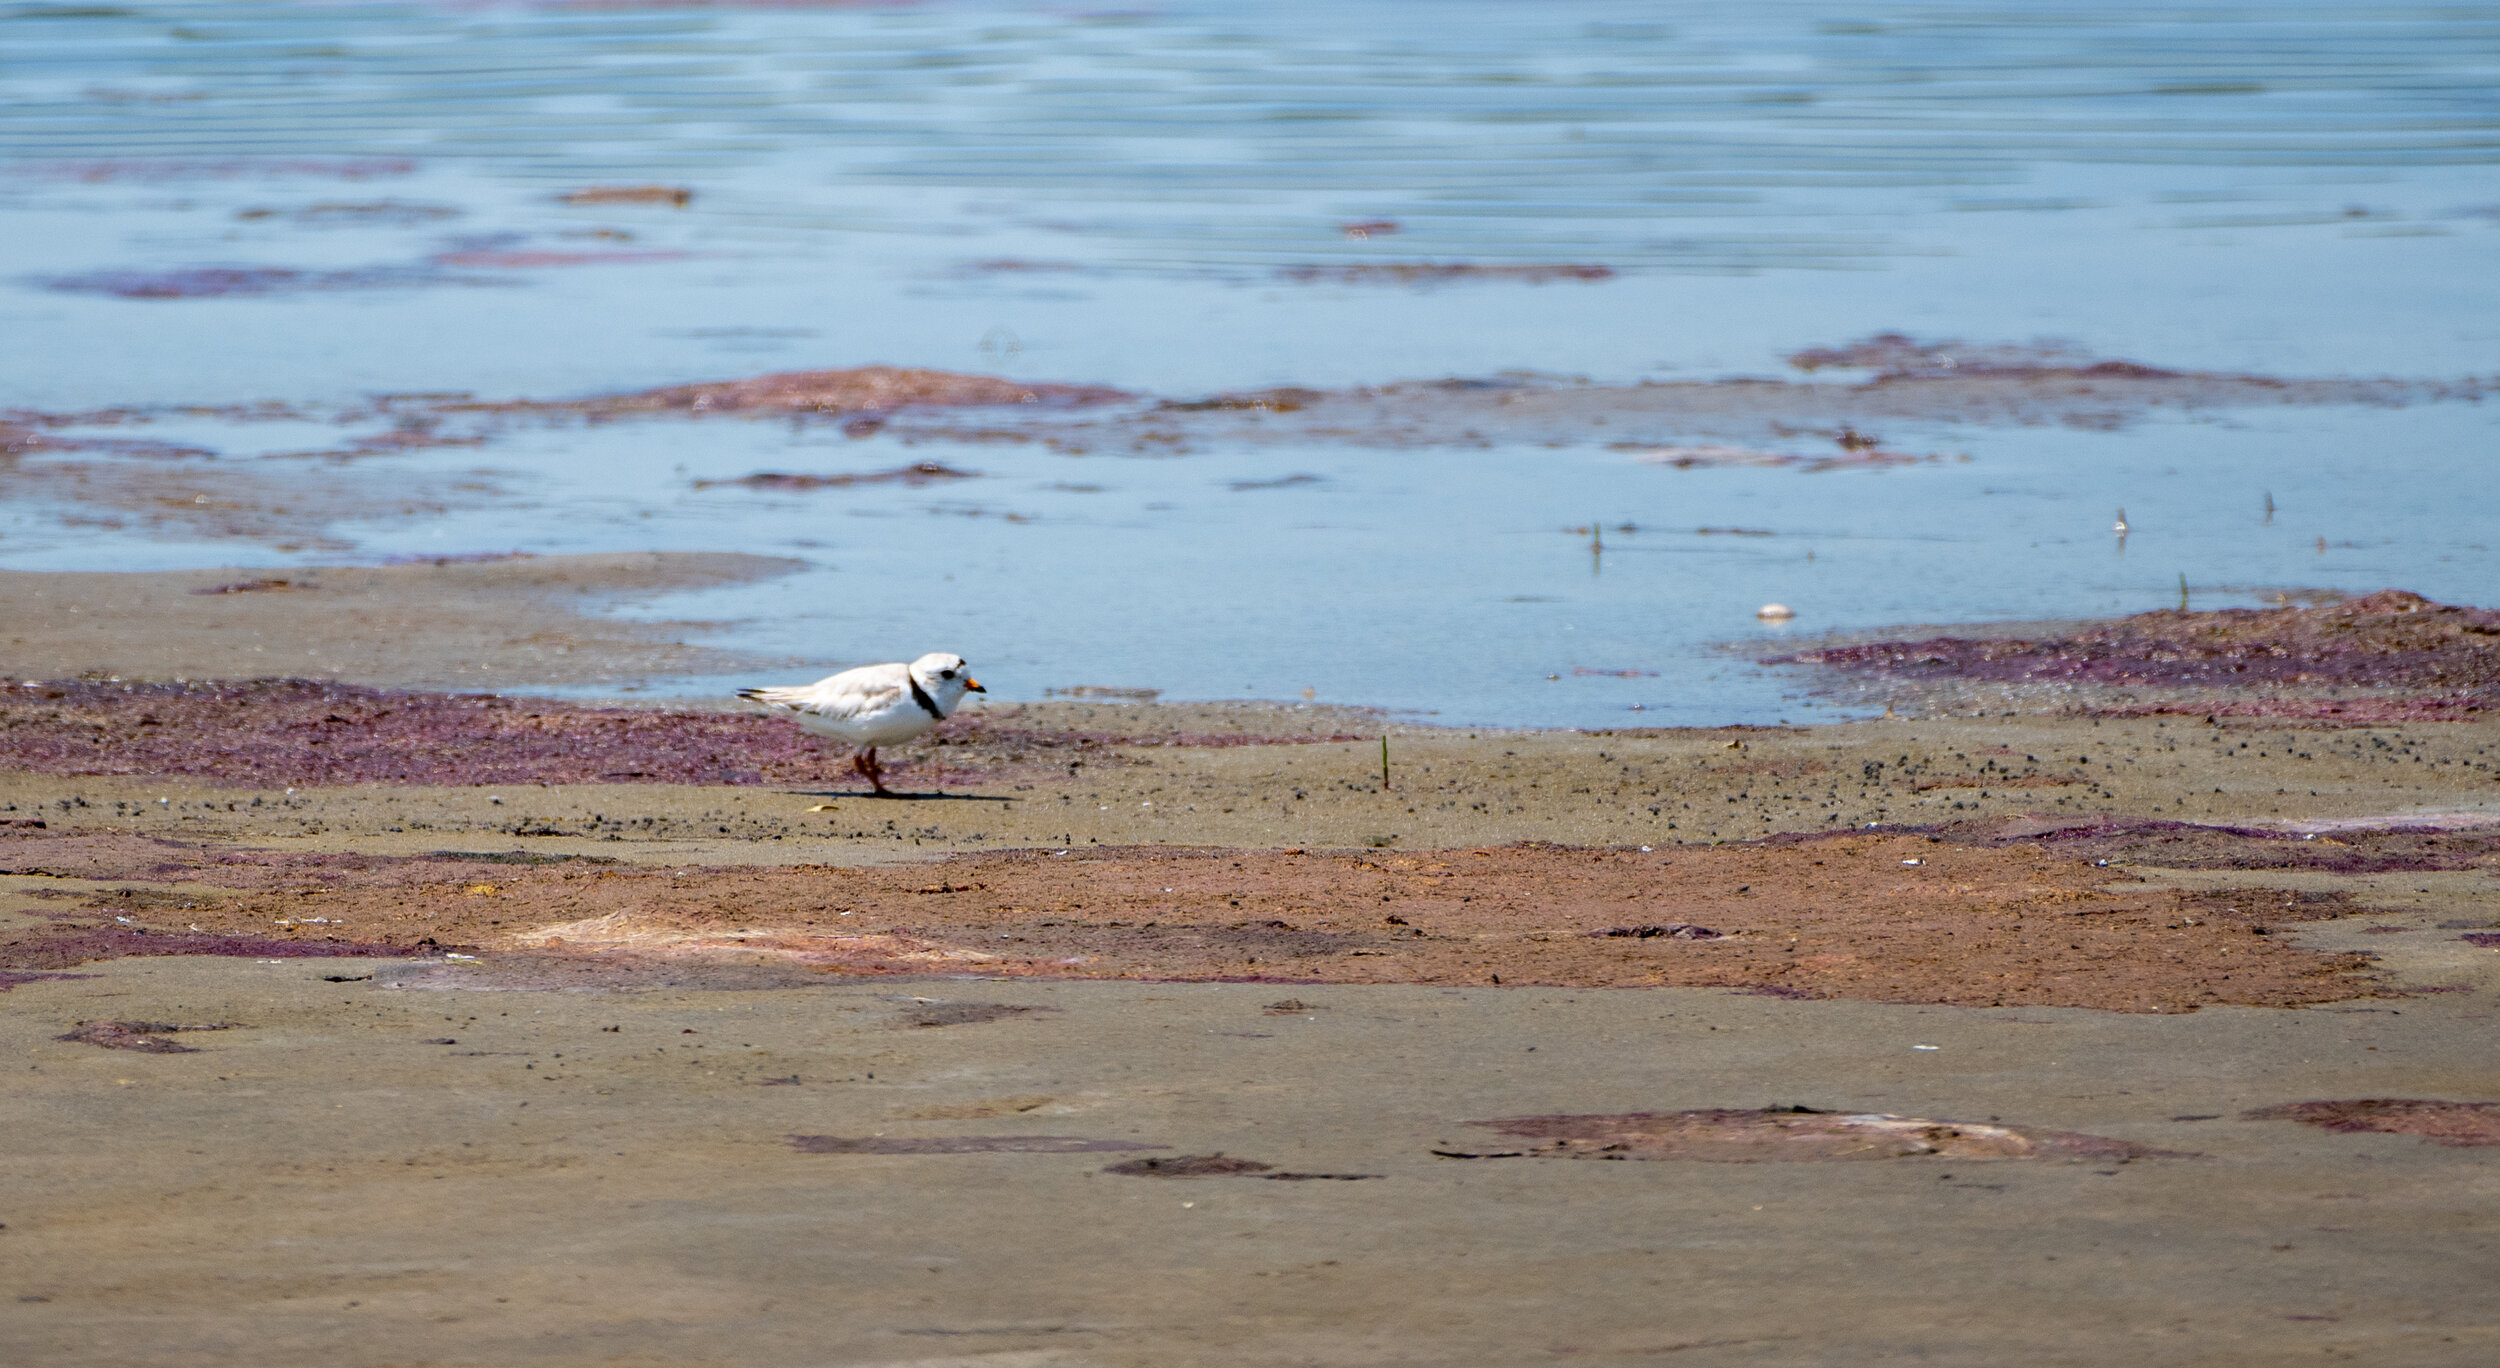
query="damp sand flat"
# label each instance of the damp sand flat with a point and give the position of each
(457, 621)
(381, 1176)
(652, 1145)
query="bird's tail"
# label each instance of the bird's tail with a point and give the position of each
(776, 696)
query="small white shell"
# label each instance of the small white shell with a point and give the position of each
(1775, 612)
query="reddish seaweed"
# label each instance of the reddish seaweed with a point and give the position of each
(2388, 640)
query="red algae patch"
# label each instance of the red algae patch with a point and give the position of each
(1789, 1135)
(1869, 917)
(2417, 659)
(2461, 1125)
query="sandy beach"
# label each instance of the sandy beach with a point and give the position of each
(328, 1058)
(1762, 685)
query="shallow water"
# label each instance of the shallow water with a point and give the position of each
(215, 204)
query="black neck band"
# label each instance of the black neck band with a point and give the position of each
(921, 696)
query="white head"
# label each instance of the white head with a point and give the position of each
(946, 678)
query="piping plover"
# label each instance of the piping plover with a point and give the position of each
(876, 705)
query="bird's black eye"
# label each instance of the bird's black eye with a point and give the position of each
(946, 674)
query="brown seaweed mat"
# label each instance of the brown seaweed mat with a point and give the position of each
(1882, 917)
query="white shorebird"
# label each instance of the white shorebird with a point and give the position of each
(876, 705)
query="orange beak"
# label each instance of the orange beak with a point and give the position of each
(973, 684)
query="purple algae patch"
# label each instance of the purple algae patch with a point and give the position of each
(2390, 640)
(304, 732)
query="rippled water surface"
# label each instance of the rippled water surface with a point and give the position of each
(214, 204)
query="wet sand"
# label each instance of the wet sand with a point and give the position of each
(455, 623)
(2139, 1039)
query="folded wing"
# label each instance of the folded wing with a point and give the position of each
(850, 694)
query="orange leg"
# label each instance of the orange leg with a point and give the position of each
(866, 763)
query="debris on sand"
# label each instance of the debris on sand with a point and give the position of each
(145, 1037)
(1790, 1135)
(963, 1013)
(1191, 1166)
(254, 586)
(1221, 1165)
(2461, 1125)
